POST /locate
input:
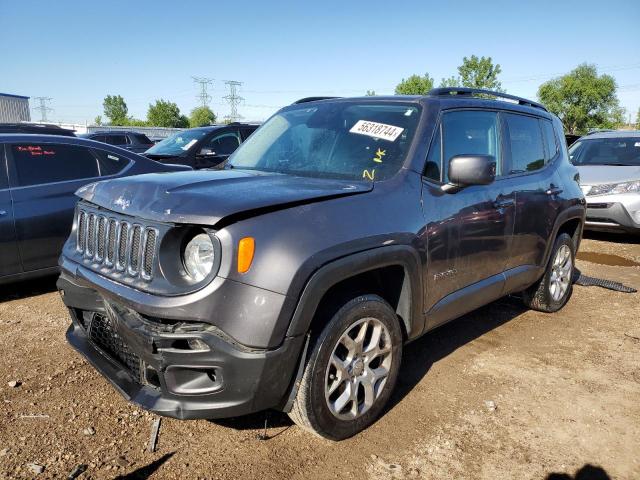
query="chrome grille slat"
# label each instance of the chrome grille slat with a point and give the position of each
(91, 238)
(134, 250)
(112, 243)
(81, 231)
(151, 236)
(123, 243)
(101, 237)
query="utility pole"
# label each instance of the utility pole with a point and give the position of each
(43, 108)
(234, 100)
(203, 96)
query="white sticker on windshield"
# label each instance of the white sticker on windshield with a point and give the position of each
(377, 130)
(637, 144)
(189, 145)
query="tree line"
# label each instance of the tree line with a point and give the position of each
(582, 99)
(161, 113)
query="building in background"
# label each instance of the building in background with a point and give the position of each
(14, 108)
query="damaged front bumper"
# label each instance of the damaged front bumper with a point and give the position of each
(178, 369)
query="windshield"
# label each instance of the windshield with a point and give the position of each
(606, 151)
(178, 143)
(333, 139)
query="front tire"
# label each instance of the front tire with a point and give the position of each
(351, 371)
(552, 291)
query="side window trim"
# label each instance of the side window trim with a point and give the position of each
(4, 169)
(129, 164)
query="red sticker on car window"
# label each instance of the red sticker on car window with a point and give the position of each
(35, 150)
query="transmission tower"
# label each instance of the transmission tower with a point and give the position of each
(234, 100)
(43, 108)
(203, 96)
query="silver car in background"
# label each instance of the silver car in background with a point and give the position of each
(609, 165)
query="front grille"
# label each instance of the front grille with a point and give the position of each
(115, 243)
(105, 337)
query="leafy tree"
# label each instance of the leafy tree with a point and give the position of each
(98, 120)
(451, 82)
(115, 109)
(370, 93)
(415, 85)
(163, 113)
(135, 122)
(201, 116)
(476, 72)
(480, 73)
(583, 99)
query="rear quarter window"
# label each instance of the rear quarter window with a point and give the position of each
(549, 139)
(111, 164)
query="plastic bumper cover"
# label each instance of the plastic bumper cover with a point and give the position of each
(182, 370)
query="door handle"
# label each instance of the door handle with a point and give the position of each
(553, 190)
(504, 202)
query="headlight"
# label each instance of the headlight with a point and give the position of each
(198, 257)
(615, 188)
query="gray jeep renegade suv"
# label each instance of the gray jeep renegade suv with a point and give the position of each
(339, 231)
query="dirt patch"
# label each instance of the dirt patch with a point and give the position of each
(503, 392)
(606, 259)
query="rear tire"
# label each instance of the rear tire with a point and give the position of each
(552, 291)
(351, 371)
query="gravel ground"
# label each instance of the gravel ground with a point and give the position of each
(500, 393)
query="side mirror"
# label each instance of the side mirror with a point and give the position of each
(206, 152)
(467, 170)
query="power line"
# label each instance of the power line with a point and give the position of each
(43, 108)
(203, 96)
(234, 100)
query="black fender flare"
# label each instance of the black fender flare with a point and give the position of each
(575, 212)
(343, 268)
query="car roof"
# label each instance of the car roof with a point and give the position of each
(444, 100)
(61, 139)
(611, 134)
(112, 132)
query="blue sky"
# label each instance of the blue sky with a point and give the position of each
(79, 51)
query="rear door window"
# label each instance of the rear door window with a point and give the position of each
(3, 169)
(141, 138)
(40, 163)
(117, 139)
(525, 149)
(469, 132)
(246, 131)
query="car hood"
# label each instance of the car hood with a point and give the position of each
(205, 197)
(602, 174)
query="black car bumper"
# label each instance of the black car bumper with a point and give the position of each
(178, 369)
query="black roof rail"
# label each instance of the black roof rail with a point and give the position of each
(441, 92)
(312, 99)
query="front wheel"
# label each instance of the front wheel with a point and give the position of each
(351, 371)
(553, 290)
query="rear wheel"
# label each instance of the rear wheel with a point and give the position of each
(351, 371)
(553, 290)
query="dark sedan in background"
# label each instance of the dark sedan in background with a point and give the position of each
(39, 175)
(132, 141)
(202, 147)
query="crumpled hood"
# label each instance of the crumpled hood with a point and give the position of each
(603, 174)
(205, 197)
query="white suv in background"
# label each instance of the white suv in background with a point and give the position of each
(609, 165)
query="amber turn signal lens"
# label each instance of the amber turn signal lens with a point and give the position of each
(246, 247)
